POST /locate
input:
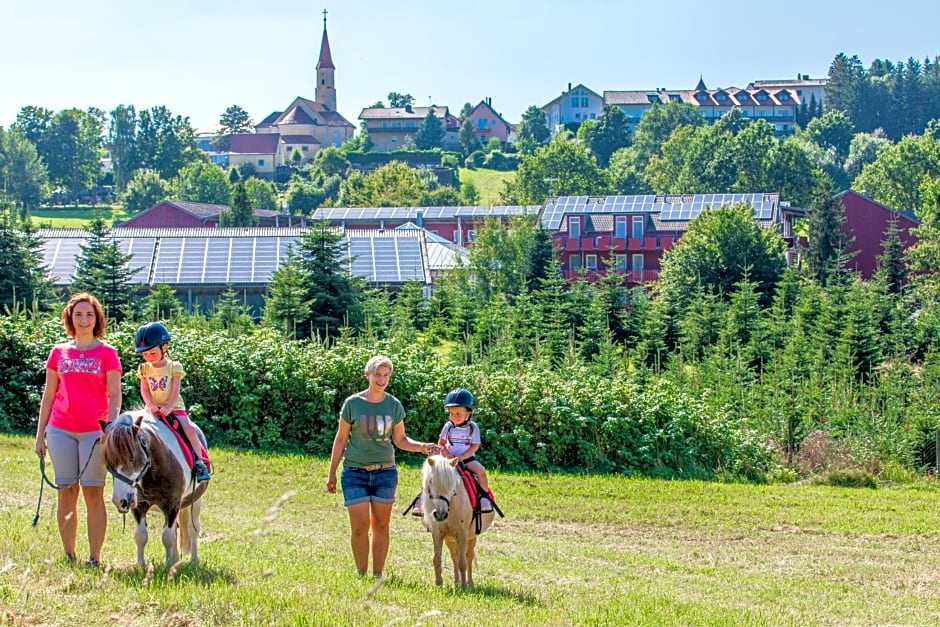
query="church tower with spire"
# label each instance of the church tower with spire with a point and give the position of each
(326, 86)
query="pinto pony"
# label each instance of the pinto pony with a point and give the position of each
(448, 515)
(150, 470)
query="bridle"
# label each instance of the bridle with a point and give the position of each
(135, 482)
(441, 497)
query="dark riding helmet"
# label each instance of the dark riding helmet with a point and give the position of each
(459, 397)
(151, 335)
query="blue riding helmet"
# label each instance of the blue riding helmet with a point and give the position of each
(151, 335)
(459, 397)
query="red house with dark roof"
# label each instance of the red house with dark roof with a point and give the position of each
(183, 214)
(867, 222)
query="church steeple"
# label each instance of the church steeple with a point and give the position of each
(326, 87)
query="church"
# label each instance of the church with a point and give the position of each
(305, 126)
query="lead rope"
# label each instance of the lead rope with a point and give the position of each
(43, 479)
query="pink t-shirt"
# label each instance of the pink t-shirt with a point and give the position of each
(81, 399)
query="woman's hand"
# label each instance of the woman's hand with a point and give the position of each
(41, 446)
(331, 483)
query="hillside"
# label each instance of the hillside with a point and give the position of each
(488, 182)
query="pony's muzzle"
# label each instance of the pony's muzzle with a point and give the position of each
(124, 504)
(440, 516)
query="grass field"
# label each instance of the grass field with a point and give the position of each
(488, 182)
(572, 550)
(74, 217)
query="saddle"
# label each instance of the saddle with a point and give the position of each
(476, 492)
(174, 424)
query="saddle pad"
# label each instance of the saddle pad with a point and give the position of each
(177, 430)
(473, 488)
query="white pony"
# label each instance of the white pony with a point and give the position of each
(150, 470)
(448, 515)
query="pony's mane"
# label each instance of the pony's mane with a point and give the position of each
(438, 475)
(120, 442)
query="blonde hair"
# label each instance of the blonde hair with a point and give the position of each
(101, 322)
(377, 362)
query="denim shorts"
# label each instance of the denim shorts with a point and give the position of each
(360, 486)
(73, 453)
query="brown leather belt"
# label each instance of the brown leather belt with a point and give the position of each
(372, 467)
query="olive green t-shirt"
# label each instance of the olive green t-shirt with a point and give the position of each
(370, 438)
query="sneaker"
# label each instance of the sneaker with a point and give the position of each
(92, 563)
(202, 473)
(486, 506)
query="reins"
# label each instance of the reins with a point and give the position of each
(44, 479)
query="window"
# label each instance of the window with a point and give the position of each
(471, 235)
(590, 262)
(574, 102)
(620, 262)
(652, 98)
(574, 226)
(577, 116)
(584, 102)
(303, 148)
(762, 96)
(637, 263)
(620, 226)
(637, 230)
(593, 116)
(260, 163)
(674, 98)
(574, 262)
(481, 123)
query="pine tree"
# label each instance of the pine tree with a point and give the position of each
(826, 253)
(286, 307)
(334, 293)
(241, 213)
(161, 304)
(23, 278)
(430, 132)
(102, 269)
(467, 138)
(891, 267)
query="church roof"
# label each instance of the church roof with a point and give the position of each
(295, 115)
(326, 59)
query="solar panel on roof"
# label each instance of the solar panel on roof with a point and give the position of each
(241, 259)
(141, 251)
(217, 258)
(193, 260)
(166, 269)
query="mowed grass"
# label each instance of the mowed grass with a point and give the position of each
(488, 182)
(572, 550)
(75, 217)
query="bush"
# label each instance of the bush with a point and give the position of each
(500, 161)
(475, 159)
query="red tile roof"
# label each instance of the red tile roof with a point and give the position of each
(254, 143)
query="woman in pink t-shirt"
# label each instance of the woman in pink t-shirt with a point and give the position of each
(83, 386)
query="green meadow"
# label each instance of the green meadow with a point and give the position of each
(572, 550)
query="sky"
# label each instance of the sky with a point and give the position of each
(198, 57)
